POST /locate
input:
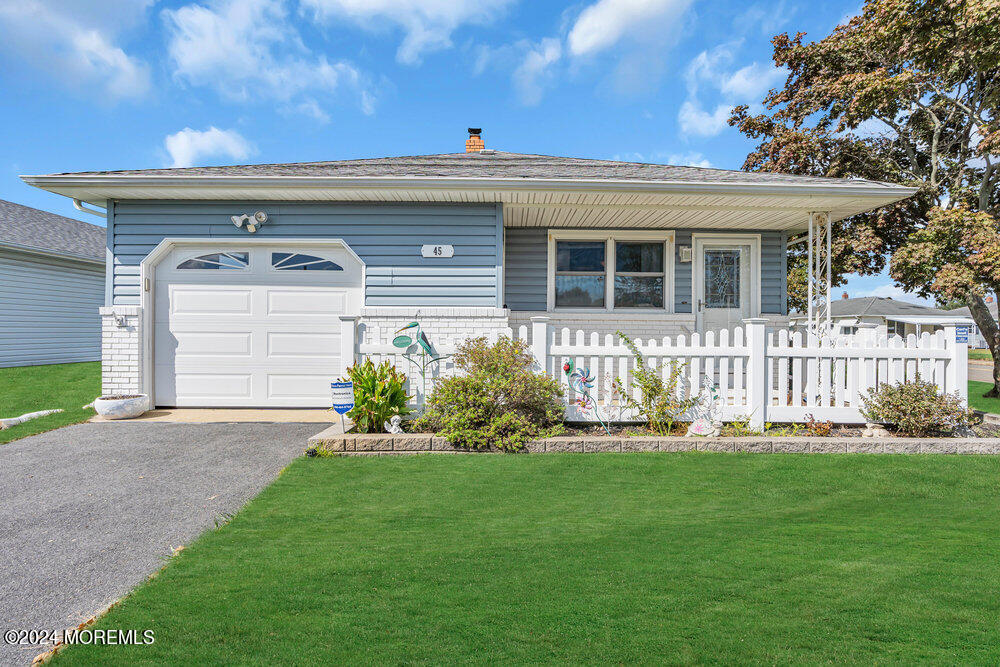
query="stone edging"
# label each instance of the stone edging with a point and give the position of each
(409, 443)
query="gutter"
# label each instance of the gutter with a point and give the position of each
(31, 250)
(78, 205)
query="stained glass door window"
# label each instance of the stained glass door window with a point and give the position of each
(722, 278)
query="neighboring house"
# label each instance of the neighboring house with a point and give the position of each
(890, 317)
(976, 339)
(51, 287)
(225, 308)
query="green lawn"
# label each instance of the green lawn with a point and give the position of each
(610, 558)
(33, 388)
(976, 400)
(980, 354)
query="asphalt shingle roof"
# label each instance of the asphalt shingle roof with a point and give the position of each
(492, 164)
(31, 227)
(880, 305)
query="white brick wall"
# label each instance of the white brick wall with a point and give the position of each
(440, 324)
(121, 350)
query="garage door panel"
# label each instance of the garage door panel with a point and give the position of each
(189, 384)
(310, 387)
(296, 345)
(307, 303)
(202, 344)
(202, 301)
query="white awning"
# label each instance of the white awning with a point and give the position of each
(939, 320)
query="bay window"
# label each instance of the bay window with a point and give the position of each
(610, 270)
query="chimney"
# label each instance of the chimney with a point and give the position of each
(844, 296)
(474, 143)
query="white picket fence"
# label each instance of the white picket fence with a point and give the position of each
(761, 375)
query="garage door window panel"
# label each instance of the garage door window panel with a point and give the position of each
(285, 261)
(218, 261)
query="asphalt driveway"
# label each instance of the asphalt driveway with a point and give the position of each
(89, 511)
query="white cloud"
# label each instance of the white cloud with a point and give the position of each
(75, 42)
(710, 72)
(428, 24)
(248, 50)
(604, 23)
(695, 120)
(534, 69)
(692, 159)
(193, 147)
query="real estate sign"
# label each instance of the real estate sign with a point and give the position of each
(342, 394)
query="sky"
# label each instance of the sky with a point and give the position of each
(123, 84)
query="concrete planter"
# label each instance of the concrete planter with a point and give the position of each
(121, 407)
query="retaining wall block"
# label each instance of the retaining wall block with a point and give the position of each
(753, 446)
(644, 443)
(372, 442)
(790, 447)
(827, 447)
(865, 446)
(603, 445)
(901, 447)
(535, 447)
(411, 443)
(679, 444)
(716, 446)
(564, 444)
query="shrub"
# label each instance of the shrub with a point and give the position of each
(378, 395)
(497, 401)
(916, 408)
(658, 403)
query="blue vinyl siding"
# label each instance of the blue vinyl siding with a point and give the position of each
(386, 237)
(49, 310)
(526, 271)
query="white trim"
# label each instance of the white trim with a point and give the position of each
(698, 242)
(605, 234)
(147, 281)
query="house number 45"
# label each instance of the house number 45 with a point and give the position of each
(437, 250)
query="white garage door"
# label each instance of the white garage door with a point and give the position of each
(251, 326)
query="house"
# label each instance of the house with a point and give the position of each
(890, 316)
(976, 339)
(243, 285)
(51, 287)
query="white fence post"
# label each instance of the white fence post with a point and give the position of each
(348, 336)
(756, 384)
(540, 341)
(958, 365)
(867, 331)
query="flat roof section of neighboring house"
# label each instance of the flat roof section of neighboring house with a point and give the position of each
(32, 230)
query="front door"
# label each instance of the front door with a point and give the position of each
(723, 281)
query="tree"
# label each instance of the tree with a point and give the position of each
(908, 92)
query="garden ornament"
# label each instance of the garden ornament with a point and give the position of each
(582, 382)
(708, 423)
(393, 425)
(427, 355)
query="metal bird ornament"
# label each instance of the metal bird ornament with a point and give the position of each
(582, 382)
(427, 357)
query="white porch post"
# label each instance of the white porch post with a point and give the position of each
(819, 274)
(540, 341)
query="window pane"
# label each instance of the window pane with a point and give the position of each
(217, 260)
(722, 278)
(639, 257)
(579, 255)
(580, 291)
(636, 292)
(283, 261)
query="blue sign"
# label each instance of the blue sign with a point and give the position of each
(962, 334)
(342, 394)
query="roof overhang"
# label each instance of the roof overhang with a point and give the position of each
(44, 252)
(527, 202)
